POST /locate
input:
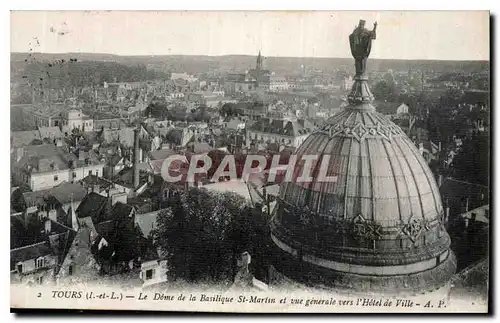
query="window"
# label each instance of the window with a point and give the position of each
(39, 262)
(39, 280)
(96, 173)
(70, 269)
(149, 274)
(90, 172)
(20, 268)
(56, 178)
(74, 174)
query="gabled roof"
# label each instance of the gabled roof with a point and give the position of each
(120, 211)
(114, 160)
(146, 222)
(92, 204)
(29, 252)
(482, 214)
(62, 193)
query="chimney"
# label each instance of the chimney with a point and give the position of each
(48, 226)
(19, 153)
(446, 214)
(75, 225)
(440, 180)
(136, 157)
(53, 215)
(118, 197)
(466, 222)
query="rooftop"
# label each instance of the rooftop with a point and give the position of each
(91, 205)
(29, 252)
(283, 127)
(24, 138)
(63, 192)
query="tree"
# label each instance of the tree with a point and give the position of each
(385, 91)
(203, 232)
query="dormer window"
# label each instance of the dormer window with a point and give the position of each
(40, 262)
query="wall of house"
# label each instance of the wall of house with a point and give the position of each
(160, 270)
(80, 259)
(46, 180)
(31, 274)
(39, 277)
(288, 140)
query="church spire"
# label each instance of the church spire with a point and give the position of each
(258, 67)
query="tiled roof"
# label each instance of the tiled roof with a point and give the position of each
(65, 191)
(91, 205)
(121, 210)
(283, 127)
(43, 158)
(24, 138)
(29, 252)
(91, 180)
(106, 229)
(126, 176)
(161, 154)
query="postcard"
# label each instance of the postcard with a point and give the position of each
(250, 161)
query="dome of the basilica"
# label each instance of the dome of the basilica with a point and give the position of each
(381, 216)
(367, 215)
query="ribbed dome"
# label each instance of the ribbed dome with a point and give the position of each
(381, 175)
(382, 216)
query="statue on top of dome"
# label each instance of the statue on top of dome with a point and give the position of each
(361, 43)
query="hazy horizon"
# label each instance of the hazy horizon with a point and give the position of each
(401, 35)
(248, 55)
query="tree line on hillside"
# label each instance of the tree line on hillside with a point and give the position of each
(79, 74)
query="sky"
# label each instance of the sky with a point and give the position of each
(440, 35)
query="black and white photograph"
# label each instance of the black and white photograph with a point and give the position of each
(250, 161)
